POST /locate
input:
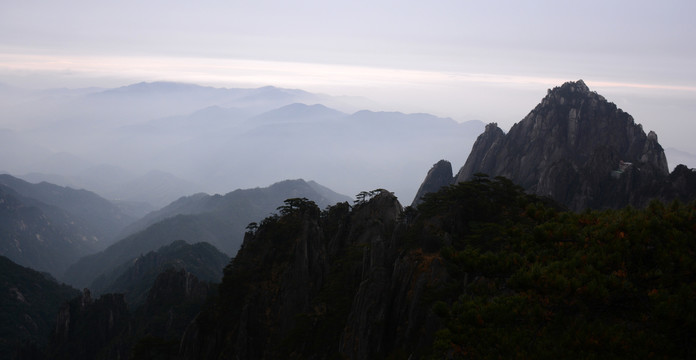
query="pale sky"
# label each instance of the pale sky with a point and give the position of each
(490, 61)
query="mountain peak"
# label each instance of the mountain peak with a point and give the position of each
(578, 86)
(568, 147)
(439, 175)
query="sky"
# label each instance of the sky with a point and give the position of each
(468, 60)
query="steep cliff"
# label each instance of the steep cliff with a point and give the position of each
(322, 285)
(91, 329)
(577, 148)
(105, 329)
(438, 176)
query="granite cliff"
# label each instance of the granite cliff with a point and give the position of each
(438, 176)
(578, 149)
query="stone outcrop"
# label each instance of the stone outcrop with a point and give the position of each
(439, 175)
(488, 142)
(572, 147)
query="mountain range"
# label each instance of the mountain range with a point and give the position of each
(220, 220)
(203, 139)
(48, 227)
(566, 237)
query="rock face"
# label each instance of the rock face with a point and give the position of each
(486, 143)
(335, 285)
(87, 328)
(105, 329)
(439, 175)
(575, 147)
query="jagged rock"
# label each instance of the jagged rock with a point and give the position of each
(87, 329)
(487, 142)
(439, 175)
(568, 147)
(334, 286)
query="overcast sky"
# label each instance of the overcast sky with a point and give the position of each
(491, 61)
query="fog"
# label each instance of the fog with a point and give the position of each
(155, 142)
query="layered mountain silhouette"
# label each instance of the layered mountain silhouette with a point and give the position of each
(100, 218)
(578, 149)
(204, 139)
(135, 277)
(216, 219)
(42, 236)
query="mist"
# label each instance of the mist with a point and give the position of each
(155, 142)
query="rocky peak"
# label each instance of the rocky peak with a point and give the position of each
(567, 147)
(439, 175)
(491, 138)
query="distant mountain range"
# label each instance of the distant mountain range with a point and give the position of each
(95, 214)
(47, 227)
(204, 139)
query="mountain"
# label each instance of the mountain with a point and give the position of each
(40, 236)
(355, 152)
(216, 219)
(298, 112)
(104, 328)
(29, 302)
(258, 201)
(480, 269)
(135, 277)
(98, 217)
(578, 149)
(86, 328)
(218, 139)
(439, 176)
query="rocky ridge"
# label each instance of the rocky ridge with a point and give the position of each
(578, 149)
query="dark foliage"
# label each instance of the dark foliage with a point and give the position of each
(29, 302)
